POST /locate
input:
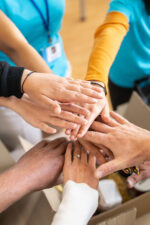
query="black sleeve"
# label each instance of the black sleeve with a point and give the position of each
(10, 80)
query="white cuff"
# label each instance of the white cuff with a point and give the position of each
(78, 205)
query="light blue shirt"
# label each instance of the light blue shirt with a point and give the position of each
(133, 59)
(27, 19)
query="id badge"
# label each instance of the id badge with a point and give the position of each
(52, 52)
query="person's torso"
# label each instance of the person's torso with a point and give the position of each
(133, 59)
(26, 17)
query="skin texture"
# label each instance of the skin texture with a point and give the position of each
(47, 89)
(144, 174)
(99, 108)
(26, 176)
(42, 118)
(128, 143)
(79, 170)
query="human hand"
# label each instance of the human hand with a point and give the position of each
(97, 151)
(80, 170)
(42, 118)
(100, 108)
(144, 174)
(46, 89)
(41, 166)
(128, 143)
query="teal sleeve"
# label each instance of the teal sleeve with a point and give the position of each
(122, 6)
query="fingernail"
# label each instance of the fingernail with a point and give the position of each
(131, 183)
(99, 174)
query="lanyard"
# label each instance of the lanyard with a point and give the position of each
(45, 21)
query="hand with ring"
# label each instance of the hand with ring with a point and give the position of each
(81, 167)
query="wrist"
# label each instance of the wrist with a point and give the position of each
(24, 83)
(100, 84)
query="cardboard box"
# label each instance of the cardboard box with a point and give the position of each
(138, 112)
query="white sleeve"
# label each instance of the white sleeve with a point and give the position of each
(78, 204)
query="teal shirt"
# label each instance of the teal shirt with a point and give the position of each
(27, 19)
(133, 59)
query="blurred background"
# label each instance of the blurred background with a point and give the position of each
(78, 35)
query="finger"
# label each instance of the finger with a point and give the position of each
(79, 97)
(93, 150)
(68, 116)
(86, 84)
(132, 180)
(77, 152)
(92, 161)
(74, 109)
(74, 133)
(68, 155)
(93, 87)
(41, 144)
(97, 138)
(55, 143)
(109, 168)
(82, 131)
(46, 128)
(111, 122)
(87, 91)
(84, 156)
(105, 113)
(53, 105)
(106, 151)
(118, 118)
(60, 150)
(101, 127)
(61, 123)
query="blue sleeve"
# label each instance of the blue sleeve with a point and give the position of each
(122, 6)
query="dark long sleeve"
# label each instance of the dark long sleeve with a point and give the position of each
(10, 80)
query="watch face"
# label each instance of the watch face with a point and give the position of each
(143, 186)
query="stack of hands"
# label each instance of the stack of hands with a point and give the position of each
(106, 142)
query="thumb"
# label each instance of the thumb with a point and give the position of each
(108, 168)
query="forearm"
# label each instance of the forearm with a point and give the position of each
(25, 55)
(78, 205)
(12, 187)
(14, 44)
(108, 39)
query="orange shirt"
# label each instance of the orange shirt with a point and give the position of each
(108, 39)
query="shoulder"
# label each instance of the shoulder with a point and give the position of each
(123, 6)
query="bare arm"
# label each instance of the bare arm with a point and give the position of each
(24, 177)
(14, 44)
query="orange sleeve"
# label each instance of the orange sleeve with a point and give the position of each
(108, 39)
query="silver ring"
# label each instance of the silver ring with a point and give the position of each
(78, 156)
